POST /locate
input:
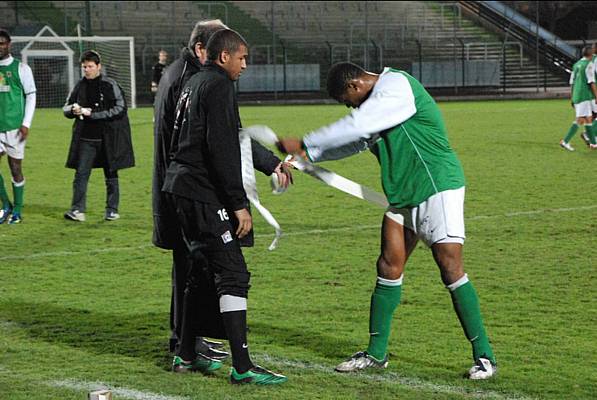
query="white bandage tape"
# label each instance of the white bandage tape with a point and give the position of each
(266, 136)
(339, 182)
(262, 134)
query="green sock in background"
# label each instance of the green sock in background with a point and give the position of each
(466, 304)
(18, 192)
(571, 132)
(384, 300)
(591, 131)
(3, 194)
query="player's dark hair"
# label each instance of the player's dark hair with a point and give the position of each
(224, 40)
(91, 55)
(339, 76)
(203, 30)
(4, 33)
(587, 51)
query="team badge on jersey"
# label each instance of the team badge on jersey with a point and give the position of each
(4, 88)
(227, 237)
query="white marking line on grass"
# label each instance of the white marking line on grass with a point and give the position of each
(296, 233)
(387, 377)
(392, 377)
(121, 392)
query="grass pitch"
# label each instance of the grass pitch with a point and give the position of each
(87, 304)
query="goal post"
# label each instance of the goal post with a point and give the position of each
(54, 61)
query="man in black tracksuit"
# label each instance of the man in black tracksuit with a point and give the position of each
(166, 233)
(204, 186)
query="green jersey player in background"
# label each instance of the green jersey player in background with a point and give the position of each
(397, 119)
(17, 105)
(582, 94)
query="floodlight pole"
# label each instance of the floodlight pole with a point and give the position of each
(537, 44)
(274, 52)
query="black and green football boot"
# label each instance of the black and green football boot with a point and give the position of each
(200, 364)
(256, 376)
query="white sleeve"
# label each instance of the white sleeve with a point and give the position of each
(28, 84)
(590, 72)
(391, 103)
(571, 78)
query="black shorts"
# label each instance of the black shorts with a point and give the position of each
(209, 229)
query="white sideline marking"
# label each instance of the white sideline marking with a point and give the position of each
(117, 391)
(388, 377)
(392, 377)
(298, 233)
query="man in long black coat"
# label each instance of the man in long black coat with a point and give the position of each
(101, 136)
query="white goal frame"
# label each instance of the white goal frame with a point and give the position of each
(27, 52)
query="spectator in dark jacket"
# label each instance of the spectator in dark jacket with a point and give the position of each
(101, 136)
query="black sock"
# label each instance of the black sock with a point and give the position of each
(235, 323)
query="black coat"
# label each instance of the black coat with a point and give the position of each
(116, 130)
(166, 231)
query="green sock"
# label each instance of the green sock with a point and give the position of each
(384, 300)
(18, 190)
(571, 132)
(3, 194)
(466, 304)
(591, 132)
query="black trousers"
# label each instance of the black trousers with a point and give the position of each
(89, 152)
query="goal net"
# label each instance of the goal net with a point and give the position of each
(54, 61)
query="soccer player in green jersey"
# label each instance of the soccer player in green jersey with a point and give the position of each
(17, 105)
(583, 93)
(396, 118)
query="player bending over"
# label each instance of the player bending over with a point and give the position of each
(423, 181)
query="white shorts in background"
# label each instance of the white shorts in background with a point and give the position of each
(584, 109)
(594, 106)
(10, 144)
(439, 219)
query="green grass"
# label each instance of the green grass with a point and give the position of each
(84, 303)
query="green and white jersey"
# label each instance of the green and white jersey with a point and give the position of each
(402, 125)
(583, 74)
(17, 94)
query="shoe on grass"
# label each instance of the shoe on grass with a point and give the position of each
(5, 213)
(214, 344)
(111, 216)
(483, 369)
(360, 361)
(15, 218)
(566, 146)
(75, 215)
(256, 376)
(585, 138)
(203, 347)
(199, 364)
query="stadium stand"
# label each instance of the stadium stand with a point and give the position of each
(414, 36)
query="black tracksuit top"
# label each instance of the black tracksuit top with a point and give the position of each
(205, 151)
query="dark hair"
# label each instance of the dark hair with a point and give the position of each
(224, 40)
(587, 51)
(203, 31)
(91, 55)
(339, 76)
(4, 33)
